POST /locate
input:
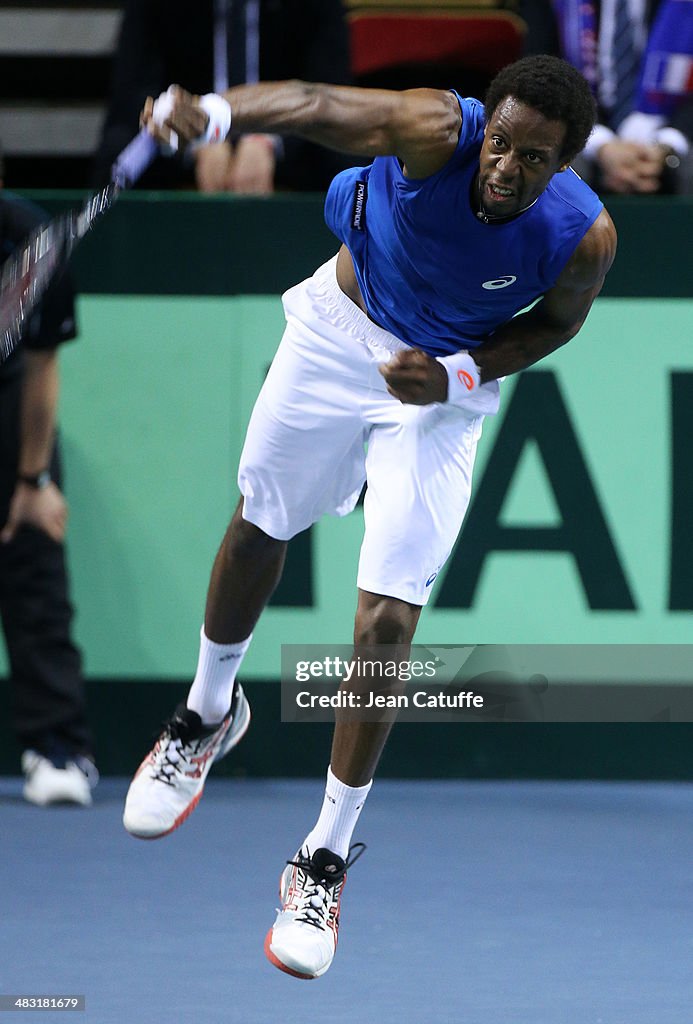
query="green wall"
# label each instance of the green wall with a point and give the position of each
(156, 395)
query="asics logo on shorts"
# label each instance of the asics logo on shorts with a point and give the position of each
(466, 379)
(499, 282)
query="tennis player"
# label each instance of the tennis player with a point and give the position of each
(467, 214)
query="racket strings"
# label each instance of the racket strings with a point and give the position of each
(27, 273)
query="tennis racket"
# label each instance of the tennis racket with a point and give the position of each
(34, 264)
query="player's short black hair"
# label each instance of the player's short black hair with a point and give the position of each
(553, 87)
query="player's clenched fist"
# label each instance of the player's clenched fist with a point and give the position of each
(415, 378)
(178, 117)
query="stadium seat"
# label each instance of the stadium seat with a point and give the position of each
(406, 47)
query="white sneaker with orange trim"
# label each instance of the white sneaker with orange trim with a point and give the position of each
(169, 783)
(303, 939)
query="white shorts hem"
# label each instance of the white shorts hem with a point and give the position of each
(265, 524)
(400, 592)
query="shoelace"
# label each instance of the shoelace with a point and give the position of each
(314, 905)
(318, 892)
(172, 757)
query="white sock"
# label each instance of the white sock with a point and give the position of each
(340, 812)
(217, 665)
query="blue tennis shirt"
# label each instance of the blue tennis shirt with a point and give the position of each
(429, 270)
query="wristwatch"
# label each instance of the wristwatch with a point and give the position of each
(36, 480)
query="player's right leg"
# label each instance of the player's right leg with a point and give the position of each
(303, 456)
(214, 718)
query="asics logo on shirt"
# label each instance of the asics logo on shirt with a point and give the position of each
(499, 282)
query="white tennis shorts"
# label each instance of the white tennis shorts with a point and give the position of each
(324, 424)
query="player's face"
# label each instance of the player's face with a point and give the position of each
(520, 154)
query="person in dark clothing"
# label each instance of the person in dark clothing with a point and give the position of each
(47, 688)
(227, 42)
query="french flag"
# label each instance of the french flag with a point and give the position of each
(667, 73)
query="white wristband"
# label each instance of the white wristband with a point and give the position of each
(218, 110)
(161, 111)
(464, 378)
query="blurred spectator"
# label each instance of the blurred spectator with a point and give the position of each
(47, 689)
(208, 47)
(638, 57)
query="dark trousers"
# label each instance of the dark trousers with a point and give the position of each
(47, 688)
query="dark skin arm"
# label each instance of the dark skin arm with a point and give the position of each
(417, 379)
(420, 126)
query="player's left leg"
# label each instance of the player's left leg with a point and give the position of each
(303, 939)
(419, 466)
(381, 622)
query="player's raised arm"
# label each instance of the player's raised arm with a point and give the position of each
(559, 315)
(420, 126)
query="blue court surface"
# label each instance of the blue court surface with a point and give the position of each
(475, 903)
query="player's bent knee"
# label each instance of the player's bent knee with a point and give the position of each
(385, 620)
(247, 539)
